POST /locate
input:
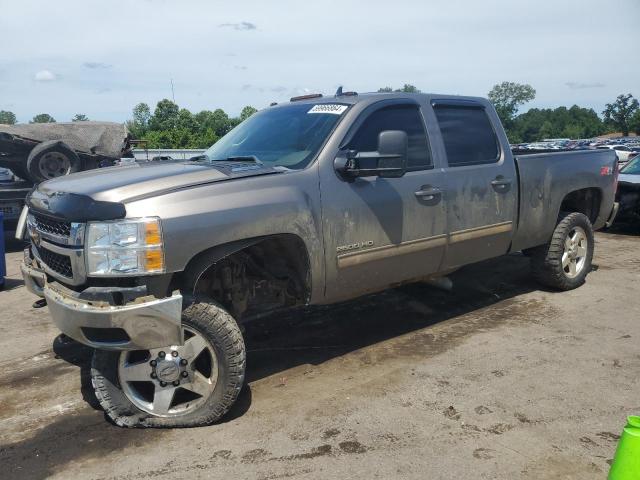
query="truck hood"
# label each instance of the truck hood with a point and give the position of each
(126, 183)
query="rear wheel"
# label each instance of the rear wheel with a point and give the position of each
(175, 386)
(565, 261)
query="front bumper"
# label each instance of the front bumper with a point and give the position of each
(141, 324)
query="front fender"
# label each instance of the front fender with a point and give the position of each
(198, 219)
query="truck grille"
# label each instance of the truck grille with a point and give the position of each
(53, 227)
(60, 264)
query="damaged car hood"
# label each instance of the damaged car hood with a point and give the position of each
(100, 138)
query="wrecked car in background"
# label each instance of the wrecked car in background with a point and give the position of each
(628, 194)
(41, 151)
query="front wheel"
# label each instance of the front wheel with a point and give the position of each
(565, 261)
(175, 386)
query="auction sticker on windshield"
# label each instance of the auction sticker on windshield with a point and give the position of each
(329, 108)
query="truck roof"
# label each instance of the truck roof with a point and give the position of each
(372, 97)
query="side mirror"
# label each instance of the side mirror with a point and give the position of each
(389, 161)
(393, 151)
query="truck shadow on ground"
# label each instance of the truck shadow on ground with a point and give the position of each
(280, 342)
(626, 227)
(315, 335)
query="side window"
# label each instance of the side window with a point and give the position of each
(467, 134)
(399, 117)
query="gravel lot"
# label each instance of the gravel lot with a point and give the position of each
(498, 379)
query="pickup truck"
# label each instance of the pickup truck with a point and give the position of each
(316, 201)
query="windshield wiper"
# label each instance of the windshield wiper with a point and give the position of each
(241, 158)
(198, 158)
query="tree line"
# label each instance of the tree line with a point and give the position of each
(622, 115)
(170, 126)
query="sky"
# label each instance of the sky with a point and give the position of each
(100, 58)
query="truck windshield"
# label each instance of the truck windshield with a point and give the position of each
(287, 136)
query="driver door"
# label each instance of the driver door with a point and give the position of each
(382, 231)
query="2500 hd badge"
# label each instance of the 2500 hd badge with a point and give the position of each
(354, 246)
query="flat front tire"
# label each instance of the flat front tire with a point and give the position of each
(175, 386)
(565, 261)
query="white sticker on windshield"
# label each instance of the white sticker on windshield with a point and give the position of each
(329, 108)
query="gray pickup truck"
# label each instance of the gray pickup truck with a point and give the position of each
(316, 201)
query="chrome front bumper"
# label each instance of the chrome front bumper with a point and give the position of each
(145, 323)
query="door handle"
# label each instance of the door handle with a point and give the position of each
(501, 185)
(428, 193)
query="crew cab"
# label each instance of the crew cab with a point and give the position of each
(316, 201)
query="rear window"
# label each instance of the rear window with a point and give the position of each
(467, 134)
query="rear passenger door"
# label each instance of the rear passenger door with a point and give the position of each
(481, 183)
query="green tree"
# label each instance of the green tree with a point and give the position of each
(407, 88)
(186, 120)
(8, 118)
(507, 97)
(181, 138)
(165, 116)
(620, 112)
(634, 123)
(43, 118)
(80, 117)
(217, 120)
(247, 112)
(205, 139)
(546, 130)
(158, 139)
(139, 124)
(537, 124)
(572, 131)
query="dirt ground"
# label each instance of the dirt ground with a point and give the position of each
(497, 379)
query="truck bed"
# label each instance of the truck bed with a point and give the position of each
(545, 180)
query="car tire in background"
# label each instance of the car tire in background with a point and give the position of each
(52, 159)
(157, 388)
(565, 261)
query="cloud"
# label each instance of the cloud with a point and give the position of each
(240, 67)
(580, 85)
(96, 65)
(278, 89)
(239, 26)
(44, 76)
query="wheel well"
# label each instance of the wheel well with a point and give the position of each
(253, 276)
(586, 201)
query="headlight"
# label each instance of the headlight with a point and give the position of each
(124, 247)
